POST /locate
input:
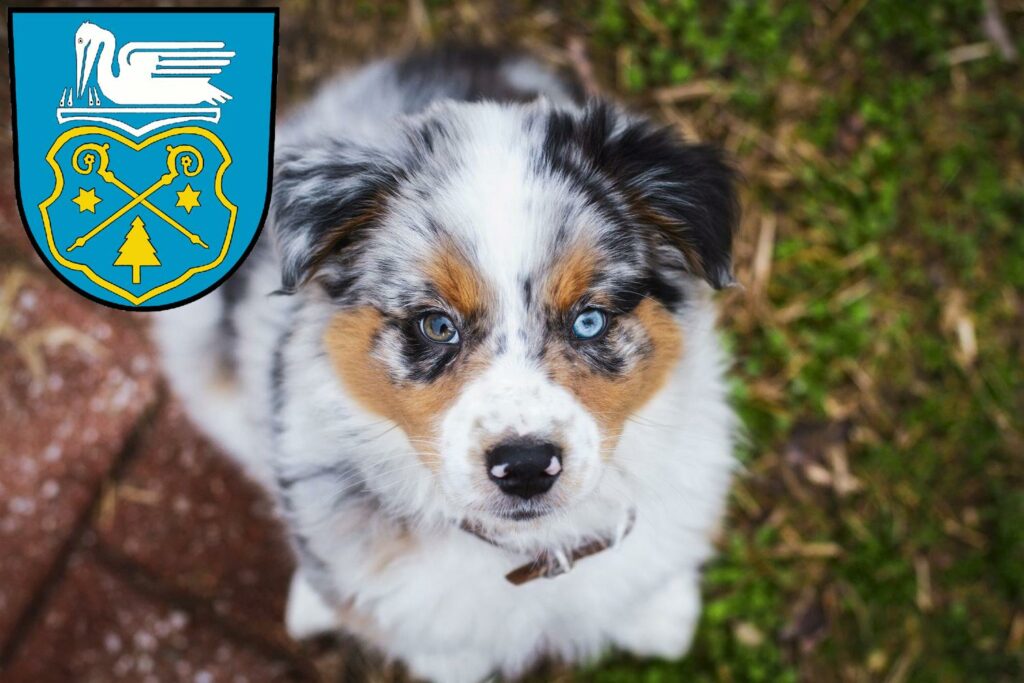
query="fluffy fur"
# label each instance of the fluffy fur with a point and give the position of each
(477, 185)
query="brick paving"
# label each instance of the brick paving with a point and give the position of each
(97, 626)
(74, 385)
(130, 548)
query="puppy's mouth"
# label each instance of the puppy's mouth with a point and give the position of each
(523, 515)
(521, 511)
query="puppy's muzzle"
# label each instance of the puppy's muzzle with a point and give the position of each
(524, 468)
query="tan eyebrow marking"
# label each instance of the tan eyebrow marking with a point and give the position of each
(571, 277)
(456, 280)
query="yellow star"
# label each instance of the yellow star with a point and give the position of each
(188, 199)
(86, 200)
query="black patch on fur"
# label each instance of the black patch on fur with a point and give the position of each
(327, 206)
(685, 191)
(500, 344)
(232, 292)
(433, 227)
(561, 153)
(662, 289)
(601, 356)
(277, 393)
(423, 360)
(339, 286)
(626, 296)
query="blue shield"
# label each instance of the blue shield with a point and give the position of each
(144, 143)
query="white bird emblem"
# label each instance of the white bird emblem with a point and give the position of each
(150, 73)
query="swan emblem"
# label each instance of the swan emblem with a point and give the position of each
(149, 73)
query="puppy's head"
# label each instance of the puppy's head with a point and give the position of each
(505, 284)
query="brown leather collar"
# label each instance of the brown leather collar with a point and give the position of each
(551, 563)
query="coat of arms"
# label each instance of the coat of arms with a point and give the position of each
(143, 144)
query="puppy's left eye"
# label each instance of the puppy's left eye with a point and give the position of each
(439, 328)
(589, 324)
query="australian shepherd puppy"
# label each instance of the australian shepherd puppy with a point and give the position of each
(474, 361)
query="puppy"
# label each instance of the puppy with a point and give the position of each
(474, 361)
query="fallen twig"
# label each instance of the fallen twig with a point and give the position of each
(995, 28)
(581, 64)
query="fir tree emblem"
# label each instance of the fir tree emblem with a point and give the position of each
(137, 250)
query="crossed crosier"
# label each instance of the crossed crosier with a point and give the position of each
(183, 155)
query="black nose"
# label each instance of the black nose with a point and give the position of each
(524, 468)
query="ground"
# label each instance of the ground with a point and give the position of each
(876, 531)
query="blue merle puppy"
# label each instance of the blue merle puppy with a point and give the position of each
(474, 362)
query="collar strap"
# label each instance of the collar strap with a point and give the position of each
(551, 563)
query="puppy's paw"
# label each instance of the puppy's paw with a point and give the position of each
(307, 614)
(662, 626)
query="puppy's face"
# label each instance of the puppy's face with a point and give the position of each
(505, 283)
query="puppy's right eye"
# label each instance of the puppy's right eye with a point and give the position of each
(439, 328)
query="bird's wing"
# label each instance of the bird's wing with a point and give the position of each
(175, 58)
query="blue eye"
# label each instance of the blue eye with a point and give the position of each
(439, 328)
(589, 324)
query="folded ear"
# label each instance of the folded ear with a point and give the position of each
(684, 191)
(325, 199)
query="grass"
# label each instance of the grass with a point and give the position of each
(877, 531)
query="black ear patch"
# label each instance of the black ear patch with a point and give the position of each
(325, 200)
(687, 191)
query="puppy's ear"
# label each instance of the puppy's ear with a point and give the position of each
(325, 199)
(685, 191)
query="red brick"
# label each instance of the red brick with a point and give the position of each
(76, 378)
(12, 235)
(183, 511)
(100, 627)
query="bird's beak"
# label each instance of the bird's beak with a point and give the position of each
(88, 56)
